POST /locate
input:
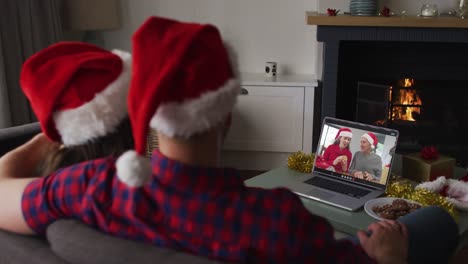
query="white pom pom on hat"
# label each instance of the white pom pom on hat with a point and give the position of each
(190, 89)
(133, 169)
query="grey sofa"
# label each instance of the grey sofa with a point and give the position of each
(71, 242)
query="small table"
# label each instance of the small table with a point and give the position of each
(342, 220)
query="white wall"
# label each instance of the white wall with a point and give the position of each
(260, 30)
(411, 6)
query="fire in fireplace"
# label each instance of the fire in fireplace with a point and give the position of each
(422, 110)
(405, 102)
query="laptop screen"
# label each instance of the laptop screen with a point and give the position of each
(356, 152)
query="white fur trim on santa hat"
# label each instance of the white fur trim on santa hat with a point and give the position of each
(197, 115)
(346, 134)
(457, 191)
(433, 186)
(370, 139)
(133, 169)
(458, 204)
(101, 115)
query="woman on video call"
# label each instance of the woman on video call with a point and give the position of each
(337, 154)
(366, 164)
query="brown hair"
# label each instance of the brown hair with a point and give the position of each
(337, 142)
(112, 144)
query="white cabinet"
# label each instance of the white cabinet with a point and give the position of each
(271, 120)
(268, 118)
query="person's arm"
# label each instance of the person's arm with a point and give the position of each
(376, 171)
(291, 234)
(378, 168)
(353, 168)
(350, 158)
(326, 156)
(17, 170)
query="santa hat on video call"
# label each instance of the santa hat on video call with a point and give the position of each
(78, 91)
(372, 138)
(344, 132)
(183, 83)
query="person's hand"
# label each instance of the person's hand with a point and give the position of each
(358, 174)
(368, 177)
(338, 160)
(388, 242)
(24, 160)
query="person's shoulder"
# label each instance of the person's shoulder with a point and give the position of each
(106, 164)
(358, 153)
(374, 156)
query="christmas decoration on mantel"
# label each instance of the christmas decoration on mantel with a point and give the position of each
(301, 162)
(385, 12)
(332, 12)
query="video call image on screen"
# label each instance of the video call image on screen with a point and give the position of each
(355, 154)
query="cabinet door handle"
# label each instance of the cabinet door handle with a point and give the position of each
(244, 91)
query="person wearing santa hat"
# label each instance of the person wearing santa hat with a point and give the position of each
(338, 154)
(78, 92)
(366, 164)
(184, 84)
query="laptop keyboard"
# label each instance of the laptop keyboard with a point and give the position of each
(337, 187)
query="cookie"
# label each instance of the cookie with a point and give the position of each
(388, 214)
(379, 209)
(396, 209)
(401, 213)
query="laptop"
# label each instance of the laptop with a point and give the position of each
(352, 164)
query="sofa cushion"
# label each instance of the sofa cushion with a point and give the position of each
(80, 244)
(16, 249)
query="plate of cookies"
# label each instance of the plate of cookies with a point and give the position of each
(390, 208)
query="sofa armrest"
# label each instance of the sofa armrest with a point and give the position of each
(16, 248)
(13, 137)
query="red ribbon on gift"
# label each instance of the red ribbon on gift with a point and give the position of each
(430, 153)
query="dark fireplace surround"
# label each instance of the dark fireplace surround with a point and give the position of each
(436, 58)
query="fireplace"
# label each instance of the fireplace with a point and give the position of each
(415, 83)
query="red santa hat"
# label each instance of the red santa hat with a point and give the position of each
(456, 191)
(344, 132)
(78, 91)
(183, 83)
(372, 138)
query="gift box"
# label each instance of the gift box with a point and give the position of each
(419, 169)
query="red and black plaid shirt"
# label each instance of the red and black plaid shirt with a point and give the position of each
(205, 211)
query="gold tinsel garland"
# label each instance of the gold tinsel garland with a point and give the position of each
(301, 162)
(404, 189)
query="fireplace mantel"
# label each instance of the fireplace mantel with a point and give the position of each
(332, 31)
(314, 18)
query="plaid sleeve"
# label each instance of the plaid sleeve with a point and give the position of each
(294, 235)
(58, 195)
